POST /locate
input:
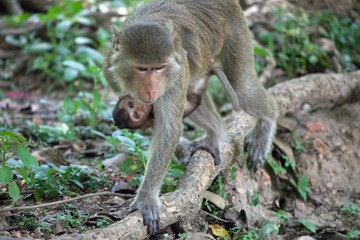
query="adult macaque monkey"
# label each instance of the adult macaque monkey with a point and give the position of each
(160, 53)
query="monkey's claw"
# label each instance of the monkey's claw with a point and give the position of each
(255, 153)
(214, 151)
(150, 213)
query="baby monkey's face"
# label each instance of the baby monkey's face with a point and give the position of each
(138, 113)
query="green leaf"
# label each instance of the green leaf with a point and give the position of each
(85, 105)
(126, 165)
(53, 12)
(83, 40)
(309, 225)
(85, 21)
(126, 141)
(86, 52)
(313, 59)
(75, 65)
(79, 184)
(39, 47)
(255, 199)
(353, 234)
(71, 8)
(68, 105)
(14, 136)
(12, 163)
(302, 193)
(63, 26)
(6, 175)
(117, 4)
(23, 172)
(96, 99)
(269, 228)
(260, 51)
(303, 182)
(62, 49)
(64, 117)
(14, 191)
(70, 74)
(26, 157)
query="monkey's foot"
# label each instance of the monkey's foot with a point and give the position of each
(257, 143)
(202, 145)
(150, 213)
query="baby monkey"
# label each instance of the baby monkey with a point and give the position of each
(129, 113)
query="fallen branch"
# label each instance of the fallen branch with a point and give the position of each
(65, 201)
(185, 202)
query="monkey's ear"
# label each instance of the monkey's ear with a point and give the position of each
(117, 34)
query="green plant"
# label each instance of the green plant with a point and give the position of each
(351, 208)
(353, 234)
(288, 162)
(103, 222)
(50, 181)
(276, 167)
(309, 225)
(171, 177)
(183, 235)
(345, 32)
(11, 145)
(302, 186)
(281, 215)
(257, 234)
(24, 219)
(44, 228)
(67, 57)
(71, 220)
(217, 186)
(298, 144)
(291, 44)
(233, 171)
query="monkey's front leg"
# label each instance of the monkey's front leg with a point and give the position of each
(167, 131)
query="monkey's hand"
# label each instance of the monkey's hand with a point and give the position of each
(150, 210)
(186, 149)
(257, 143)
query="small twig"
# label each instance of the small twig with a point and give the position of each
(217, 218)
(65, 201)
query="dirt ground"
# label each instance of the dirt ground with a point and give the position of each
(332, 163)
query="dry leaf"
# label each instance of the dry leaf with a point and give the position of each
(219, 231)
(315, 126)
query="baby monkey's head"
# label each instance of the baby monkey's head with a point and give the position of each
(129, 113)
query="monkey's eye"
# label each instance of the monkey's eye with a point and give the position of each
(142, 69)
(137, 115)
(159, 69)
(130, 104)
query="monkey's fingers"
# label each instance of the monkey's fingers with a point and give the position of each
(152, 220)
(214, 151)
(150, 213)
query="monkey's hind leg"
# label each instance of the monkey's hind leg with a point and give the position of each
(237, 59)
(207, 117)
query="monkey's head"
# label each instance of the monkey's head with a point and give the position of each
(143, 60)
(128, 113)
